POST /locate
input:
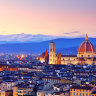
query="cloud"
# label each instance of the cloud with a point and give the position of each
(74, 32)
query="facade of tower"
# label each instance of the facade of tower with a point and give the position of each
(51, 53)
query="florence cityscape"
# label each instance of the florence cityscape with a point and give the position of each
(47, 47)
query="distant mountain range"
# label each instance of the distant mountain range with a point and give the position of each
(22, 38)
(63, 45)
(19, 38)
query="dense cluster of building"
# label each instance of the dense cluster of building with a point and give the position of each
(48, 80)
(27, 76)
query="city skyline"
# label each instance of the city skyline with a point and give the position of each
(50, 17)
(47, 47)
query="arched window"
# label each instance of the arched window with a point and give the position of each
(50, 49)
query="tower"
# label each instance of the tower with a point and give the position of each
(46, 57)
(51, 53)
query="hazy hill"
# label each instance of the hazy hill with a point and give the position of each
(66, 46)
(17, 38)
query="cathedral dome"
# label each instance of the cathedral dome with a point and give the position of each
(86, 47)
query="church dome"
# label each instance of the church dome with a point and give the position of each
(86, 47)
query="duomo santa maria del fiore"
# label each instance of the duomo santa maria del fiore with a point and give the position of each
(86, 54)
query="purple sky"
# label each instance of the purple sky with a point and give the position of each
(49, 17)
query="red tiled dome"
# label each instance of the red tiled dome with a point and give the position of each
(86, 46)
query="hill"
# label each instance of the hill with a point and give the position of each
(63, 45)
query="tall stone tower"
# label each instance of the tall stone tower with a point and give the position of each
(51, 53)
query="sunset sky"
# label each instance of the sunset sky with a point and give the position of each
(49, 17)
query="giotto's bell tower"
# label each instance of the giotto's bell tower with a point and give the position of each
(51, 53)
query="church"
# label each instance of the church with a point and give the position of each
(86, 54)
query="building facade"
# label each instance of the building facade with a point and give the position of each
(86, 54)
(81, 91)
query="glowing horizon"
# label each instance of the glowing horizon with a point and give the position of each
(48, 17)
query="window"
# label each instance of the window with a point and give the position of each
(38, 93)
(86, 90)
(50, 49)
(19, 91)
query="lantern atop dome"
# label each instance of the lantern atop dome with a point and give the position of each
(86, 37)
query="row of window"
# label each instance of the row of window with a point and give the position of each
(4, 66)
(52, 80)
(80, 90)
(80, 94)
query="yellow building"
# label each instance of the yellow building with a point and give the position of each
(81, 91)
(40, 93)
(22, 91)
(15, 91)
(86, 54)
